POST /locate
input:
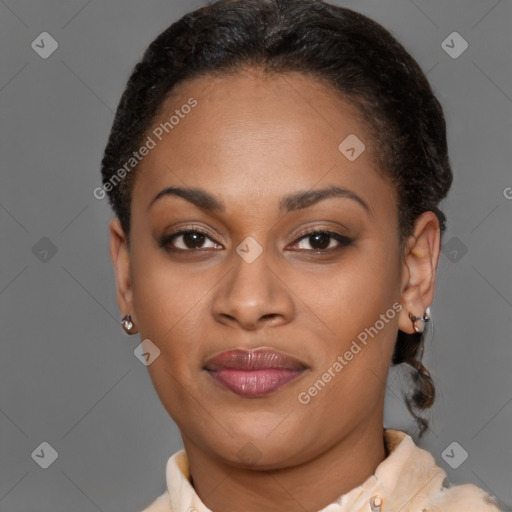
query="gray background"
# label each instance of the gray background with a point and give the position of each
(68, 373)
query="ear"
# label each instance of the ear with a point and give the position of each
(421, 257)
(120, 257)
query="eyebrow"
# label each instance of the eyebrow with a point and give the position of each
(293, 202)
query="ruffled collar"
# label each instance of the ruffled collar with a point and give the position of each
(405, 472)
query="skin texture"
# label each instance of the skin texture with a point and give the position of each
(251, 140)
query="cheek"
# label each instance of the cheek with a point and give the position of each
(354, 314)
(351, 294)
(165, 297)
(173, 307)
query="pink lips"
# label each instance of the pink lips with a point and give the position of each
(253, 373)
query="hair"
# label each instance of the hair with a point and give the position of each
(354, 55)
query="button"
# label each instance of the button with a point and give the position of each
(376, 503)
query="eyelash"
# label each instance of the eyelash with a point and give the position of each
(343, 240)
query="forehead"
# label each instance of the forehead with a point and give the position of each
(254, 136)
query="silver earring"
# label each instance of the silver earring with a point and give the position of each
(419, 321)
(128, 325)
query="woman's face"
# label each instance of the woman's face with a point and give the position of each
(254, 280)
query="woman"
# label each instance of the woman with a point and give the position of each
(276, 169)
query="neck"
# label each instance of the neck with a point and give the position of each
(309, 486)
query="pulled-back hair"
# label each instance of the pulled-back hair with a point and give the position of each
(356, 56)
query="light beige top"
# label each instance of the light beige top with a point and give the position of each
(408, 480)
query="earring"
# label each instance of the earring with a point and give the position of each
(128, 325)
(419, 321)
(419, 327)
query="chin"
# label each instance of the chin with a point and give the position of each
(261, 453)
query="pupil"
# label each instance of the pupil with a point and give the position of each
(323, 237)
(193, 239)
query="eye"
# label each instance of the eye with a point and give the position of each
(192, 239)
(322, 240)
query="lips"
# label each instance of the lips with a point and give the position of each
(253, 373)
(260, 359)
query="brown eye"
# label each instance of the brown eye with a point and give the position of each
(192, 239)
(321, 240)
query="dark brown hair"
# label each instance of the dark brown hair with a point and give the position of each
(360, 60)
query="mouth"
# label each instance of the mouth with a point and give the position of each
(254, 373)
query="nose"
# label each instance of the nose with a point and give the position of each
(253, 295)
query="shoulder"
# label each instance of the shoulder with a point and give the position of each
(416, 482)
(161, 504)
(464, 497)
